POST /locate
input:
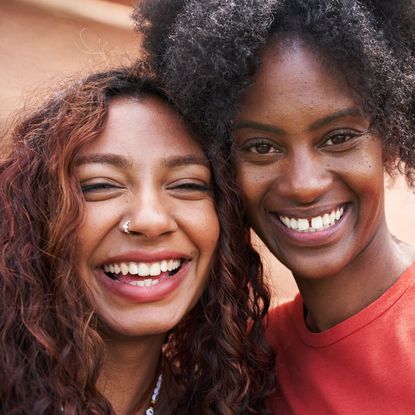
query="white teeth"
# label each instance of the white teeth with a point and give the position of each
(133, 268)
(317, 223)
(314, 224)
(155, 269)
(302, 224)
(124, 268)
(143, 283)
(293, 223)
(143, 269)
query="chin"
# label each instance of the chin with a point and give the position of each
(314, 269)
(141, 326)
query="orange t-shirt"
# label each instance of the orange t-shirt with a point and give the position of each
(363, 365)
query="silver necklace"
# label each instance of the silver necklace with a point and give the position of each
(155, 395)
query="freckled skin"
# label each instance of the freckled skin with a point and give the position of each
(309, 159)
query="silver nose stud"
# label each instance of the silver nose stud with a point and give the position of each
(125, 226)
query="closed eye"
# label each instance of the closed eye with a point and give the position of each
(193, 186)
(190, 186)
(97, 187)
(189, 190)
(100, 190)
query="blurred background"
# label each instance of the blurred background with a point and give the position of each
(44, 42)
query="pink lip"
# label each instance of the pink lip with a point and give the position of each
(305, 239)
(145, 256)
(137, 294)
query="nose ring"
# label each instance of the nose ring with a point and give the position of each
(125, 226)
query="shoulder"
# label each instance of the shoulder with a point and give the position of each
(281, 320)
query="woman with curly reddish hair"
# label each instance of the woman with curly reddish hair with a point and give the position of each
(127, 281)
(317, 100)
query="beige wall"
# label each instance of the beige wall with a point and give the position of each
(39, 47)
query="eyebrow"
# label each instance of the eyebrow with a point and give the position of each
(111, 159)
(259, 126)
(315, 125)
(122, 162)
(187, 160)
(332, 117)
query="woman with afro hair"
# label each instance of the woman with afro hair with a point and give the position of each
(122, 288)
(316, 100)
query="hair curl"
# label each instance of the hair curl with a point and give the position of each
(208, 50)
(51, 351)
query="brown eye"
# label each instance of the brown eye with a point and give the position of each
(262, 148)
(338, 139)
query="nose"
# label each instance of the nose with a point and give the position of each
(305, 177)
(150, 214)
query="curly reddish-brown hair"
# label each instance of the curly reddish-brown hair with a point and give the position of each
(51, 351)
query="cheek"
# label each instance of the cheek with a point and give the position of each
(255, 183)
(247, 178)
(90, 228)
(201, 224)
(367, 173)
(98, 221)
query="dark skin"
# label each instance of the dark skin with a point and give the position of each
(306, 156)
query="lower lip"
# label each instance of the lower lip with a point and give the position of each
(138, 294)
(325, 236)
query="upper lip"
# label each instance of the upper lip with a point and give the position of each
(308, 212)
(145, 256)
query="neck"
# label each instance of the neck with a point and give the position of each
(335, 298)
(129, 372)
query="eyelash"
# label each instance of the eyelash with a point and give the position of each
(193, 187)
(272, 149)
(348, 135)
(97, 186)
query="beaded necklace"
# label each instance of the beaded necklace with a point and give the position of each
(155, 395)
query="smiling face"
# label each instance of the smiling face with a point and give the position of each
(310, 171)
(147, 169)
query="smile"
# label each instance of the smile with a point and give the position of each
(127, 272)
(313, 224)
